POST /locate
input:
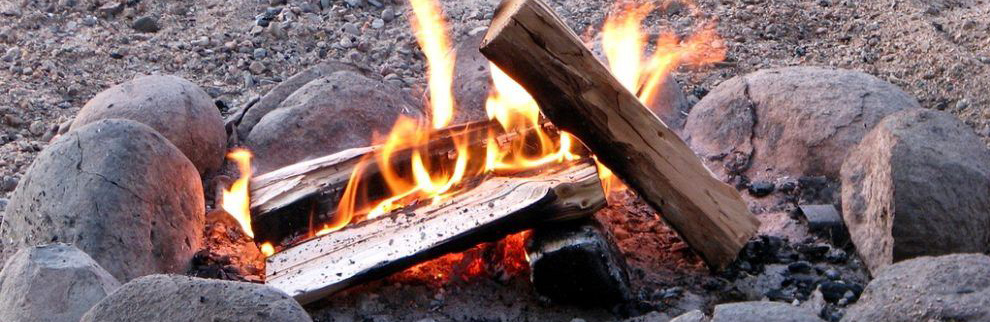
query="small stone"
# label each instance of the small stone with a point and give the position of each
(256, 67)
(836, 256)
(116, 54)
(262, 22)
(378, 24)
(354, 3)
(761, 188)
(37, 128)
(351, 28)
(276, 2)
(577, 320)
(3, 204)
(89, 21)
(8, 183)
(325, 4)
(260, 53)
(962, 104)
(375, 3)
(833, 274)
(346, 42)
(146, 24)
(801, 267)
(12, 54)
(388, 14)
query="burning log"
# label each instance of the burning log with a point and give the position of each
(294, 199)
(578, 263)
(376, 248)
(576, 92)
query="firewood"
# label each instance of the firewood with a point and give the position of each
(577, 262)
(293, 200)
(577, 93)
(376, 248)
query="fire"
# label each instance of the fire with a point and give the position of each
(520, 140)
(236, 200)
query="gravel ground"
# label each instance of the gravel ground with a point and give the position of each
(55, 55)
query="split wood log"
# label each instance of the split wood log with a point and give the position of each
(578, 262)
(289, 202)
(376, 248)
(577, 93)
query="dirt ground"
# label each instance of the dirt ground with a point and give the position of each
(56, 54)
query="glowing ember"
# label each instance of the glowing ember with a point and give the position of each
(267, 249)
(236, 201)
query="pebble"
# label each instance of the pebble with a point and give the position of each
(8, 183)
(145, 24)
(388, 14)
(378, 23)
(325, 4)
(3, 204)
(276, 2)
(12, 54)
(256, 67)
(89, 21)
(346, 42)
(354, 3)
(801, 267)
(833, 274)
(351, 28)
(761, 188)
(260, 53)
(37, 128)
(962, 104)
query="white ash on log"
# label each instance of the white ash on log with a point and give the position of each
(578, 262)
(376, 248)
(577, 93)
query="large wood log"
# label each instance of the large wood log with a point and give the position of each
(376, 248)
(288, 203)
(577, 93)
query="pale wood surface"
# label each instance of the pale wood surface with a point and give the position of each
(578, 94)
(373, 249)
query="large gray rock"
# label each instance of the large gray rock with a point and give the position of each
(762, 312)
(794, 121)
(279, 93)
(54, 282)
(175, 107)
(182, 298)
(330, 114)
(918, 184)
(946, 288)
(116, 189)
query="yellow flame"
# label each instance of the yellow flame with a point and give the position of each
(431, 34)
(237, 200)
(267, 249)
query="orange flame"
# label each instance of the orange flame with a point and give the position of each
(237, 201)
(431, 34)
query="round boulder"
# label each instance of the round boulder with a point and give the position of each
(918, 184)
(330, 114)
(762, 311)
(175, 107)
(54, 282)
(280, 92)
(182, 298)
(946, 288)
(793, 121)
(116, 189)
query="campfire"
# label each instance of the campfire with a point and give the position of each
(429, 187)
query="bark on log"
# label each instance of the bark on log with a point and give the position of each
(376, 248)
(577, 93)
(577, 262)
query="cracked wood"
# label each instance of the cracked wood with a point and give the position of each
(577, 93)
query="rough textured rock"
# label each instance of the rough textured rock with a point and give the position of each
(116, 189)
(918, 184)
(54, 282)
(175, 107)
(692, 316)
(182, 298)
(797, 121)
(279, 93)
(330, 114)
(761, 312)
(946, 288)
(472, 80)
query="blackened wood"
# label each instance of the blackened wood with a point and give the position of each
(577, 262)
(577, 93)
(376, 248)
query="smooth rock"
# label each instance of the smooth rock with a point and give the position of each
(116, 189)
(340, 111)
(182, 298)
(793, 121)
(146, 24)
(946, 288)
(55, 282)
(175, 107)
(761, 312)
(918, 185)
(280, 92)
(692, 316)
